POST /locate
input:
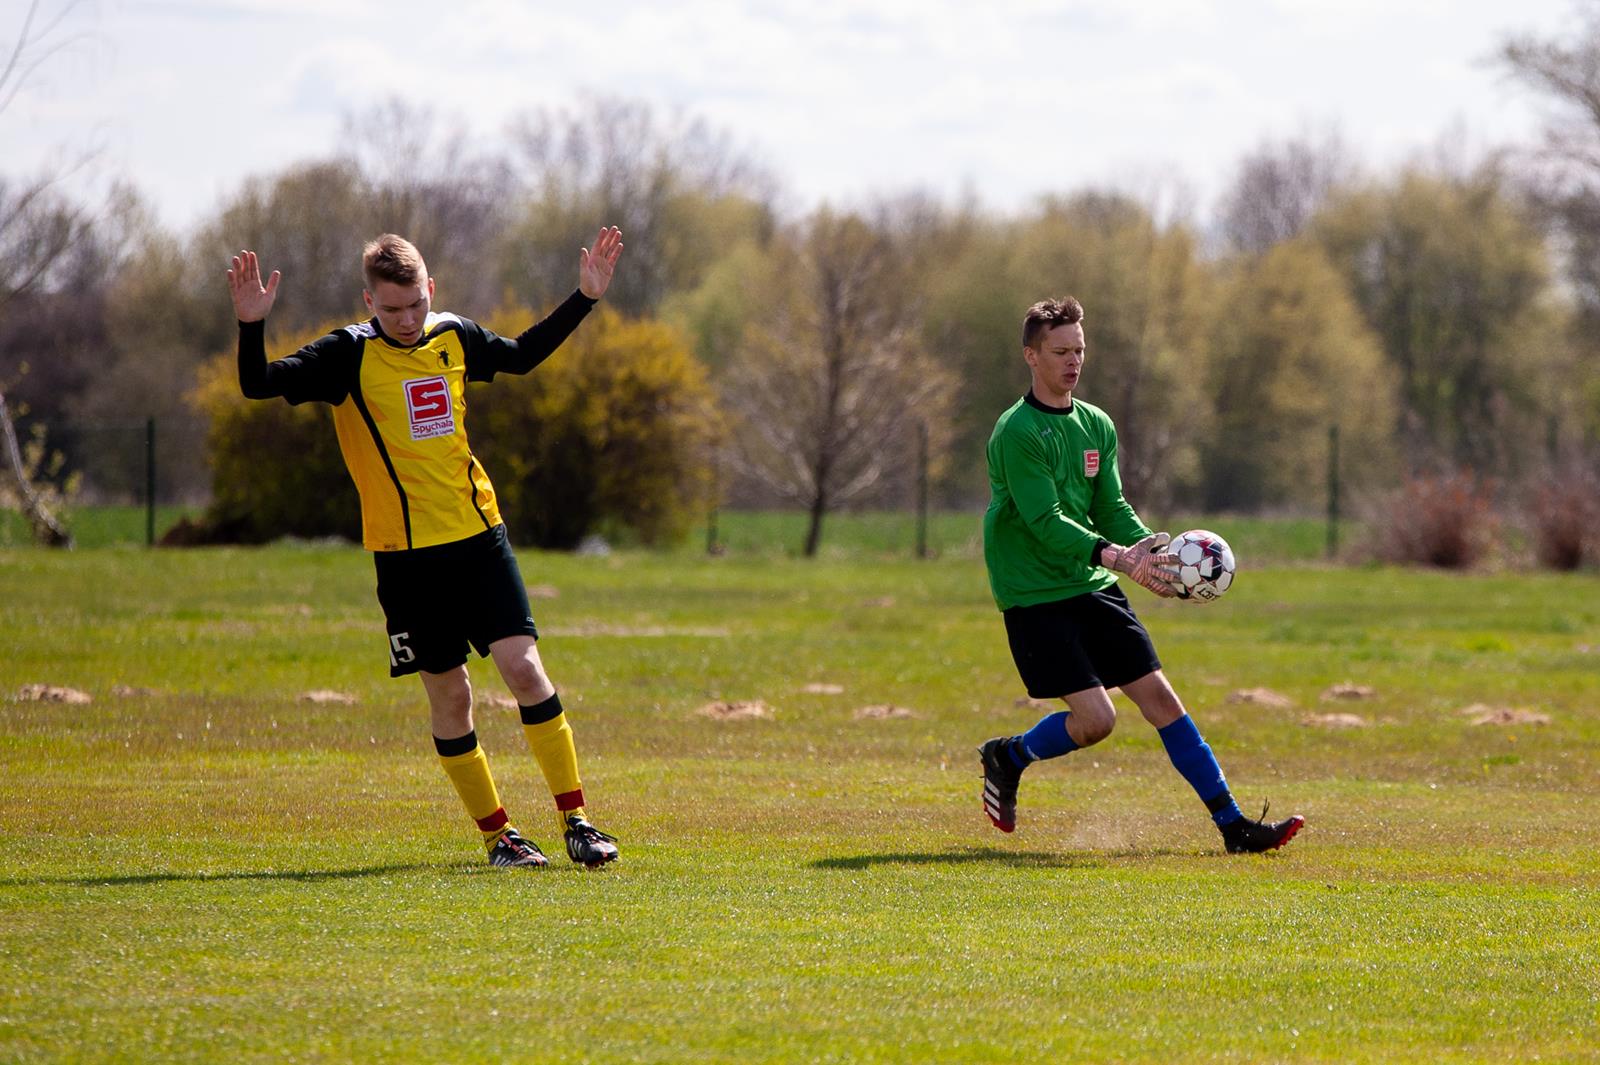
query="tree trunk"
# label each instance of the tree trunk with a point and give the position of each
(819, 507)
(46, 529)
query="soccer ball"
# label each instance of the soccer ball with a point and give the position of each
(1205, 565)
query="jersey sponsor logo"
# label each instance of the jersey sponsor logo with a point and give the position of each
(428, 401)
(1091, 463)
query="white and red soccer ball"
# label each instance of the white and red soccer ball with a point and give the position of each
(1205, 565)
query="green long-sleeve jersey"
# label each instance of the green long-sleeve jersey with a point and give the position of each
(1054, 494)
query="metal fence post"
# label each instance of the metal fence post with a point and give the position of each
(713, 546)
(150, 482)
(922, 489)
(1333, 490)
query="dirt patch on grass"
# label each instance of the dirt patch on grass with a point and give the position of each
(748, 710)
(51, 693)
(543, 591)
(1484, 714)
(1347, 691)
(328, 696)
(1261, 697)
(498, 699)
(823, 689)
(883, 602)
(128, 691)
(1335, 721)
(1036, 704)
(882, 712)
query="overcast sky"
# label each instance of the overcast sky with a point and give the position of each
(1005, 99)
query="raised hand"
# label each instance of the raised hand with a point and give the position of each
(1147, 563)
(594, 268)
(251, 300)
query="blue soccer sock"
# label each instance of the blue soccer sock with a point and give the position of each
(1191, 756)
(1047, 739)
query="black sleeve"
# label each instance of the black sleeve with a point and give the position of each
(1094, 552)
(488, 354)
(318, 371)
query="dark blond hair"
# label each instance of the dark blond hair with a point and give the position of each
(1046, 315)
(393, 259)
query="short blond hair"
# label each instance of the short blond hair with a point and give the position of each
(394, 259)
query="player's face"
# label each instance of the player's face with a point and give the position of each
(1057, 362)
(401, 309)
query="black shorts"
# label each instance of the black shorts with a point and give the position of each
(1089, 641)
(438, 600)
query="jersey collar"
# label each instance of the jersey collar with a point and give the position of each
(1037, 404)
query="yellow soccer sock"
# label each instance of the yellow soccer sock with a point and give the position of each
(468, 768)
(550, 738)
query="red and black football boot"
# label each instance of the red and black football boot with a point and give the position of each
(1000, 779)
(1246, 836)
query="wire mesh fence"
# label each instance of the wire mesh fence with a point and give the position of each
(117, 482)
(129, 482)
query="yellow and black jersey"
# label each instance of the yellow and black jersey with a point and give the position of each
(400, 413)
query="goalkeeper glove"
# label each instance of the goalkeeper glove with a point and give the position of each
(1147, 562)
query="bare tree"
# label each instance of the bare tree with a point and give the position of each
(1566, 172)
(830, 385)
(1564, 178)
(1278, 187)
(37, 227)
(37, 230)
(620, 162)
(309, 221)
(1568, 71)
(426, 176)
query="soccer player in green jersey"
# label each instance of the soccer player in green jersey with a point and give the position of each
(447, 580)
(1056, 533)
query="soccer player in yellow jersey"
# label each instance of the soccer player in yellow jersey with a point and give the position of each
(447, 580)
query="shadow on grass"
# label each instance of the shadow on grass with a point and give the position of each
(299, 875)
(966, 856)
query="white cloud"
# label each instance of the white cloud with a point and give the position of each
(844, 97)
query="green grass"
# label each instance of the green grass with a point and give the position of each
(98, 526)
(960, 535)
(779, 534)
(210, 869)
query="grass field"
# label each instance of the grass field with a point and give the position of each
(98, 526)
(207, 868)
(778, 534)
(958, 535)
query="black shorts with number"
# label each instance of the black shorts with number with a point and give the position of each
(438, 600)
(1089, 641)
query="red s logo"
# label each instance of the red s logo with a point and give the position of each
(428, 400)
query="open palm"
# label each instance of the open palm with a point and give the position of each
(595, 267)
(252, 301)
